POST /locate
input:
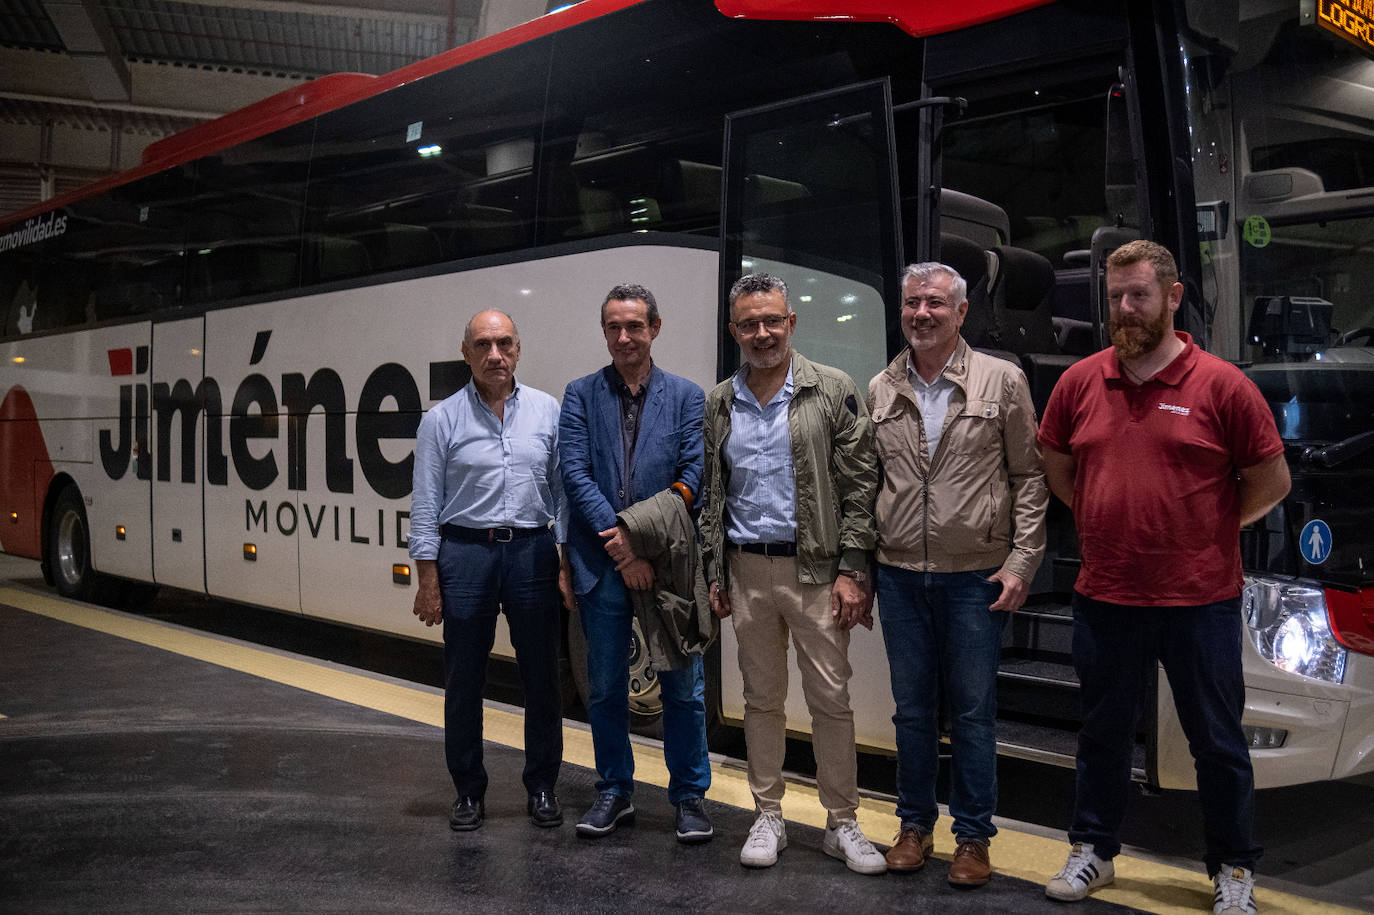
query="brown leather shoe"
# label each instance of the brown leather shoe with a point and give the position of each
(971, 865)
(910, 850)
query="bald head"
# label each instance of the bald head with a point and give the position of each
(490, 318)
(491, 348)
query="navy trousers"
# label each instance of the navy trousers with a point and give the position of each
(478, 580)
(1199, 647)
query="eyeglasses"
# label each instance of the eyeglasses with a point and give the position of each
(931, 302)
(751, 325)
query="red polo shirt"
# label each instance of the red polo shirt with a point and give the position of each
(1155, 494)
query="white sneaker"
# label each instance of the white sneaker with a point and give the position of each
(1080, 875)
(767, 837)
(845, 841)
(1235, 889)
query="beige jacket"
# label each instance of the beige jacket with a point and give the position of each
(980, 502)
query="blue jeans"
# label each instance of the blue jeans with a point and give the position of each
(607, 615)
(941, 638)
(475, 581)
(1113, 649)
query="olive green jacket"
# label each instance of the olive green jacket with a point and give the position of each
(836, 467)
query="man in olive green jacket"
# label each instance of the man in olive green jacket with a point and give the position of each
(961, 532)
(788, 526)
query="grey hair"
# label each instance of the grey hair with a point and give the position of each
(958, 286)
(622, 292)
(755, 283)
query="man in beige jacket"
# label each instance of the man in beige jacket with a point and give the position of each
(961, 532)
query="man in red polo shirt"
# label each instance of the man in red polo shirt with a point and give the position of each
(1163, 452)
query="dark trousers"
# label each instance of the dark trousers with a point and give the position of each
(1199, 647)
(477, 580)
(941, 638)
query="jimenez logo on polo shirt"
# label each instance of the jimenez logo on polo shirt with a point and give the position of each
(1171, 408)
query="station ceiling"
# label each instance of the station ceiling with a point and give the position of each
(86, 84)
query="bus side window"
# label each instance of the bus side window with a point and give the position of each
(435, 170)
(245, 226)
(18, 292)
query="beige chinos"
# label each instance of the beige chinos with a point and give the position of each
(768, 603)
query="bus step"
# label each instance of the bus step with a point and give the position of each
(1043, 629)
(1038, 688)
(1053, 746)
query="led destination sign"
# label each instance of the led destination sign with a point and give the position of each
(1353, 20)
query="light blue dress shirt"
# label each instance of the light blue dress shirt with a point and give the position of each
(473, 470)
(933, 399)
(761, 498)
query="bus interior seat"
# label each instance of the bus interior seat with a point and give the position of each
(606, 181)
(391, 246)
(234, 270)
(1022, 302)
(689, 192)
(479, 229)
(1021, 293)
(337, 258)
(974, 218)
(973, 263)
(1072, 307)
(765, 191)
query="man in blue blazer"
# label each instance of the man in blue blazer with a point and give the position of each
(627, 432)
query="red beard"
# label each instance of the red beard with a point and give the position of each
(1133, 338)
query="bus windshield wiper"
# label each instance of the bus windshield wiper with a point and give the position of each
(1339, 452)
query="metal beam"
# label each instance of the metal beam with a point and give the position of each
(92, 46)
(110, 106)
(428, 12)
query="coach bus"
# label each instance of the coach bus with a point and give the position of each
(213, 365)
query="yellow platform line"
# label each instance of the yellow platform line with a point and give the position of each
(1140, 883)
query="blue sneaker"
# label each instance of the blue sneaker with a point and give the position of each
(605, 815)
(693, 825)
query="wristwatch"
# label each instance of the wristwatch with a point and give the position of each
(855, 574)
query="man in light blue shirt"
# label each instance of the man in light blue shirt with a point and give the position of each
(789, 478)
(486, 487)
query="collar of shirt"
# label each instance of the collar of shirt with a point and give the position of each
(1170, 376)
(478, 402)
(918, 383)
(742, 391)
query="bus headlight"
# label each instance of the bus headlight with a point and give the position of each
(1288, 625)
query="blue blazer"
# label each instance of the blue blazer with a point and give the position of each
(592, 458)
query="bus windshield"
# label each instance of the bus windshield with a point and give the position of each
(1284, 181)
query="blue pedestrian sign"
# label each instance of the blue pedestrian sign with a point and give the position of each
(1315, 541)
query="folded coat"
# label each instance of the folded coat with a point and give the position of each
(675, 615)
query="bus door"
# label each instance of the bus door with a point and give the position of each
(180, 422)
(811, 196)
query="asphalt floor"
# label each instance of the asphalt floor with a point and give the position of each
(149, 768)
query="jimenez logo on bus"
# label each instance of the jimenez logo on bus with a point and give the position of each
(255, 417)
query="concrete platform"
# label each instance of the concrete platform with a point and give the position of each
(149, 768)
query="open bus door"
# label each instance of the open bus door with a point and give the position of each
(811, 195)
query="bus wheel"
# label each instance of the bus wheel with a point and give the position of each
(646, 706)
(69, 548)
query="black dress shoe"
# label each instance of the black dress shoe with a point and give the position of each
(467, 814)
(544, 810)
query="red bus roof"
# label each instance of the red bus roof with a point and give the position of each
(916, 17)
(308, 100)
